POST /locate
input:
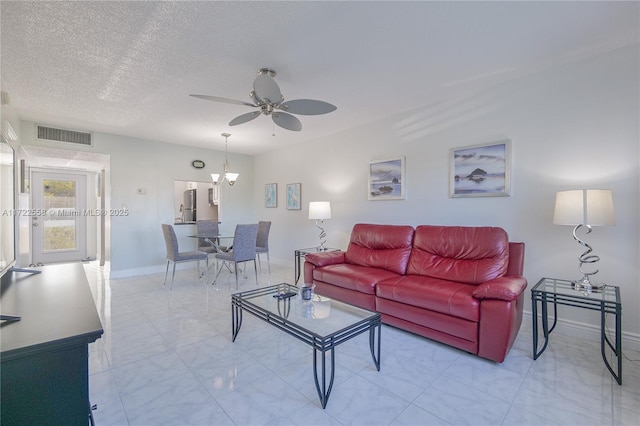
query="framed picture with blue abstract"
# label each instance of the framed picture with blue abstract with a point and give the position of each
(294, 196)
(271, 195)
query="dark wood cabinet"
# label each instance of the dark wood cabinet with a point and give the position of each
(44, 364)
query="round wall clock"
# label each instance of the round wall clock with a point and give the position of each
(198, 164)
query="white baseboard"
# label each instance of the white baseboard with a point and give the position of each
(146, 270)
(630, 341)
(157, 269)
(285, 263)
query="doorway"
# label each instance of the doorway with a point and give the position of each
(60, 216)
(57, 161)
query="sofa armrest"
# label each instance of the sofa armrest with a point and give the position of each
(326, 258)
(503, 288)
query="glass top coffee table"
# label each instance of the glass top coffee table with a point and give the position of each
(322, 323)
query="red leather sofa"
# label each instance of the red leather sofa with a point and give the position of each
(462, 286)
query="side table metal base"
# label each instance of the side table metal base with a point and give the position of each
(562, 292)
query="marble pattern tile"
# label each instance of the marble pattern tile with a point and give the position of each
(413, 416)
(175, 400)
(459, 404)
(358, 401)
(407, 376)
(166, 358)
(265, 401)
(488, 377)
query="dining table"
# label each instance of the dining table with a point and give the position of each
(214, 241)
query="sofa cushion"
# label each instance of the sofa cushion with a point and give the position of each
(470, 255)
(352, 277)
(380, 246)
(434, 294)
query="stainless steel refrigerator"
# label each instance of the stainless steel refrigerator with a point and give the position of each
(190, 205)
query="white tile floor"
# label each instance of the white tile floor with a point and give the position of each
(166, 358)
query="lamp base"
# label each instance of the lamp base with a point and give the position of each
(586, 286)
(322, 235)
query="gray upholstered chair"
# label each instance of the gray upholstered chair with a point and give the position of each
(244, 250)
(262, 242)
(175, 255)
(208, 231)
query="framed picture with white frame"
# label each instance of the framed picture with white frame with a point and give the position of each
(481, 170)
(387, 179)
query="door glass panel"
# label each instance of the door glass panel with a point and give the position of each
(59, 201)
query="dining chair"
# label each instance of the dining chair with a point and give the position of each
(176, 256)
(244, 250)
(208, 232)
(262, 242)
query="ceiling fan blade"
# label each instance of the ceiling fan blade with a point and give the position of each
(225, 100)
(307, 107)
(267, 89)
(244, 118)
(287, 121)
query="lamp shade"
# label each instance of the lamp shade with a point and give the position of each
(592, 207)
(231, 177)
(319, 210)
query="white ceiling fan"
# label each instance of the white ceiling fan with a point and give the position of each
(266, 96)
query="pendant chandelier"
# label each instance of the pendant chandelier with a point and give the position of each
(227, 175)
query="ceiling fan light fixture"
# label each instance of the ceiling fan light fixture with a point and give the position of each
(267, 97)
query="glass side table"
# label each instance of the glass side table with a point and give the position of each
(562, 292)
(300, 253)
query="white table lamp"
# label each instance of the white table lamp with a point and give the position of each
(320, 210)
(584, 207)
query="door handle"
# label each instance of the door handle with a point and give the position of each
(35, 223)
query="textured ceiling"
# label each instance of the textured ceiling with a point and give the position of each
(128, 67)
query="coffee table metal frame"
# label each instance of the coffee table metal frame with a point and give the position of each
(241, 302)
(562, 292)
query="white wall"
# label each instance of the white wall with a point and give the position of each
(136, 240)
(571, 127)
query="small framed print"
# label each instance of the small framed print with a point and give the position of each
(481, 170)
(271, 195)
(387, 179)
(293, 196)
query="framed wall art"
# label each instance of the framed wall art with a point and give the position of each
(387, 179)
(271, 195)
(481, 170)
(294, 196)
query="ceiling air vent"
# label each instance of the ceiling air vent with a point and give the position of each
(63, 135)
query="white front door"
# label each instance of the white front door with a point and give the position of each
(59, 220)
